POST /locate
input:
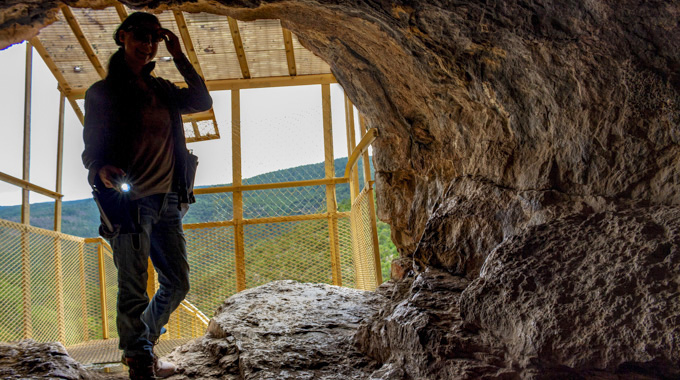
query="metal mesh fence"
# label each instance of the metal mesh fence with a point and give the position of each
(289, 250)
(364, 259)
(211, 259)
(50, 288)
(92, 292)
(284, 202)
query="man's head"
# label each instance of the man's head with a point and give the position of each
(139, 36)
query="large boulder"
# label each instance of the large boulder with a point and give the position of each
(590, 291)
(29, 359)
(282, 330)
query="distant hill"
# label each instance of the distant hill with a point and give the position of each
(81, 217)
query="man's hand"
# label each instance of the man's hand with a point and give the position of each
(108, 174)
(171, 42)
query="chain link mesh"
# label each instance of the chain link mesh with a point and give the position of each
(289, 250)
(211, 259)
(364, 261)
(284, 202)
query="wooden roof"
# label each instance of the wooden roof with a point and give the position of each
(228, 53)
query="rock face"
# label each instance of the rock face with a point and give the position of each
(501, 120)
(560, 294)
(283, 330)
(31, 360)
(419, 333)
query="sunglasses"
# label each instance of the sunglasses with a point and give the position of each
(146, 35)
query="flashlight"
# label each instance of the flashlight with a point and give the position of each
(122, 185)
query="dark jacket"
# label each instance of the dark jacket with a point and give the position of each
(112, 119)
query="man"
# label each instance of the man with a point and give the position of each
(142, 174)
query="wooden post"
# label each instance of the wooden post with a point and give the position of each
(237, 195)
(371, 205)
(25, 205)
(102, 291)
(354, 192)
(331, 201)
(61, 324)
(60, 162)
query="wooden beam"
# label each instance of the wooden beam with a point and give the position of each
(122, 12)
(76, 109)
(186, 38)
(290, 53)
(238, 45)
(29, 186)
(269, 186)
(63, 84)
(266, 220)
(244, 84)
(357, 151)
(84, 43)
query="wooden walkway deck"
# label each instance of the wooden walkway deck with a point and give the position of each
(106, 350)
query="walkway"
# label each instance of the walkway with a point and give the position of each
(106, 350)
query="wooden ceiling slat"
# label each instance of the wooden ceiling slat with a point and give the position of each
(84, 43)
(238, 45)
(186, 38)
(63, 84)
(122, 12)
(290, 52)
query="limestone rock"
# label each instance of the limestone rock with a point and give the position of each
(419, 333)
(473, 216)
(591, 291)
(282, 330)
(31, 360)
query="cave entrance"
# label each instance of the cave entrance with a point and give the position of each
(314, 222)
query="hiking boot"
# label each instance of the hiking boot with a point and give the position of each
(163, 369)
(140, 367)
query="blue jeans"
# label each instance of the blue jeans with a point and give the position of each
(159, 235)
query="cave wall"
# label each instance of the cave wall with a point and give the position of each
(493, 115)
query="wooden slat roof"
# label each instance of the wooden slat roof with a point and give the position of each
(77, 48)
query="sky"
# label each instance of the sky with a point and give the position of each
(280, 128)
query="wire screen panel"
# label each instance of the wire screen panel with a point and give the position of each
(287, 143)
(364, 259)
(215, 207)
(92, 292)
(43, 287)
(11, 285)
(297, 251)
(75, 306)
(347, 268)
(264, 47)
(306, 62)
(284, 202)
(111, 274)
(211, 259)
